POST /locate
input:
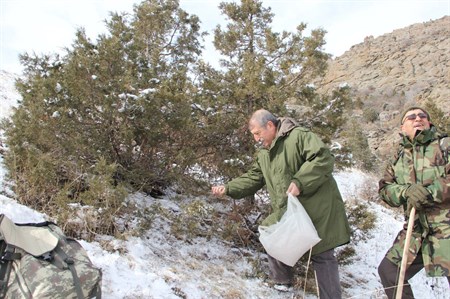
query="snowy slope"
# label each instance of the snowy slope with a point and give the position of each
(8, 94)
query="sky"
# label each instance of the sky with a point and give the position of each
(48, 26)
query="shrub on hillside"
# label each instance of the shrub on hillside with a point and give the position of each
(361, 154)
(438, 117)
(120, 102)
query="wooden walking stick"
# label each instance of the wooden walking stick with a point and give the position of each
(401, 276)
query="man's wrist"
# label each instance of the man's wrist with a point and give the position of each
(298, 184)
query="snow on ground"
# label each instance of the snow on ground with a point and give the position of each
(157, 265)
(8, 94)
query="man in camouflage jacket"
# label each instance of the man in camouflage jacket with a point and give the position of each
(295, 160)
(419, 176)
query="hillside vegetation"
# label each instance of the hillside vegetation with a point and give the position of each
(138, 110)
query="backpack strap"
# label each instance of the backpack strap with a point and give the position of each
(5, 269)
(398, 155)
(444, 144)
(7, 257)
(71, 265)
(76, 280)
(9, 254)
(37, 224)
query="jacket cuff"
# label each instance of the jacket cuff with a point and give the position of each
(298, 184)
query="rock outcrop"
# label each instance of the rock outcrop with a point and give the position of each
(410, 64)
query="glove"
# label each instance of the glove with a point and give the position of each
(418, 196)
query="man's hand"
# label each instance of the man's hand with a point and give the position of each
(218, 190)
(293, 189)
(418, 197)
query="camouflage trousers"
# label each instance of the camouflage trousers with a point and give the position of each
(389, 273)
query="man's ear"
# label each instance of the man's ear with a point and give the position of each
(270, 125)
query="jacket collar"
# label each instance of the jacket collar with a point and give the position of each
(285, 126)
(421, 137)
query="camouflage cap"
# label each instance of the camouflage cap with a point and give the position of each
(414, 108)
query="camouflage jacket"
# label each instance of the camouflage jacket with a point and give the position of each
(425, 161)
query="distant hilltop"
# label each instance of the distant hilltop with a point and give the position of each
(406, 66)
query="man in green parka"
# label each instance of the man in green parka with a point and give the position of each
(294, 160)
(419, 177)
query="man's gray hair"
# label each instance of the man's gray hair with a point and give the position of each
(262, 117)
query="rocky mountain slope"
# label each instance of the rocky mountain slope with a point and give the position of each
(413, 62)
(408, 66)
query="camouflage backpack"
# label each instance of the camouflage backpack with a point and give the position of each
(38, 261)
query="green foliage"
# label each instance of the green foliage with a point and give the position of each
(325, 114)
(438, 117)
(122, 102)
(193, 221)
(343, 157)
(370, 115)
(147, 217)
(357, 142)
(361, 221)
(260, 69)
(136, 109)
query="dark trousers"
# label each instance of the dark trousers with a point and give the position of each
(389, 273)
(326, 266)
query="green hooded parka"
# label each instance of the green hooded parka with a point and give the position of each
(298, 155)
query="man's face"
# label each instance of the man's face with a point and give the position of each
(263, 135)
(413, 121)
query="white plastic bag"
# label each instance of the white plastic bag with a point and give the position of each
(288, 239)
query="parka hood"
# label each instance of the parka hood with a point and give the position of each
(285, 125)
